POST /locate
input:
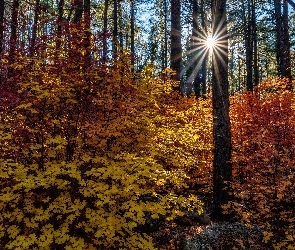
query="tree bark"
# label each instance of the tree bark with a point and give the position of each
(249, 46)
(283, 43)
(204, 62)
(105, 30)
(132, 34)
(87, 21)
(59, 23)
(176, 48)
(2, 9)
(197, 49)
(13, 34)
(221, 122)
(35, 26)
(255, 44)
(115, 30)
(78, 7)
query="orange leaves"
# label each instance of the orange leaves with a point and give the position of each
(263, 129)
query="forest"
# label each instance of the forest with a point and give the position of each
(135, 124)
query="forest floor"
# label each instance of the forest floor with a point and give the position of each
(172, 236)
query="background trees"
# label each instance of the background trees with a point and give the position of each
(88, 107)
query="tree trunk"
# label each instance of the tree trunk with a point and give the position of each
(59, 24)
(197, 48)
(13, 34)
(105, 30)
(255, 44)
(87, 21)
(283, 43)
(78, 7)
(165, 55)
(132, 35)
(115, 30)
(2, 9)
(35, 26)
(249, 47)
(204, 60)
(120, 21)
(221, 122)
(176, 49)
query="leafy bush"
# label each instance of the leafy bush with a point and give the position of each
(79, 154)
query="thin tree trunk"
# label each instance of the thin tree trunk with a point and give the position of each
(115, 30)
(13, 34)
(59, 23)
(120, 26)
(2, 9)
(35, 26)
(165, 35)
(249, 48)
(196, 48)
(283, 43)
(78, 7)
(221, 122)
(176, 48)
(286, 41)
(105, 30)
(87, 21)
(132, 31)
(204, 62)
(255, 44)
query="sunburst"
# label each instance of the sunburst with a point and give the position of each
(205, 44)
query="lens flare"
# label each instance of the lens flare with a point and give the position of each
(210, 42)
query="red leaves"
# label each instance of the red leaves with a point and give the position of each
(263, 128)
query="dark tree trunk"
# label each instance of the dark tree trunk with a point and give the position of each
(221, 122)
(115, 30)
(165, 55)
(105, 30)
(132, 35)
(13, 34)
(283, 43)
(255, 44)
(2, 8)
(87, 21)
(78, 7)
(249, 47)
(176, 49)
(35, 26)
(197, 47)
(121, 36)
(206, 53)
(59, 23)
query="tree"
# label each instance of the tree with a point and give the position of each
(115, 27)
(199, 33)
(283, 43)
(220, 101)
(176, 48)
(13, 35)
(132, 33)
(78, 7)
(59, 23)
(35, 26)
(2, 8)
(105, 30)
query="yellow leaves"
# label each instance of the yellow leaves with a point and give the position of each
(13, 231)
(267, 236)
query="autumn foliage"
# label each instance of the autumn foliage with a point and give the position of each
(263, 128)
(83, 148)
(91, 152)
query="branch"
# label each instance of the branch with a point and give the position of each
(291, 3)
